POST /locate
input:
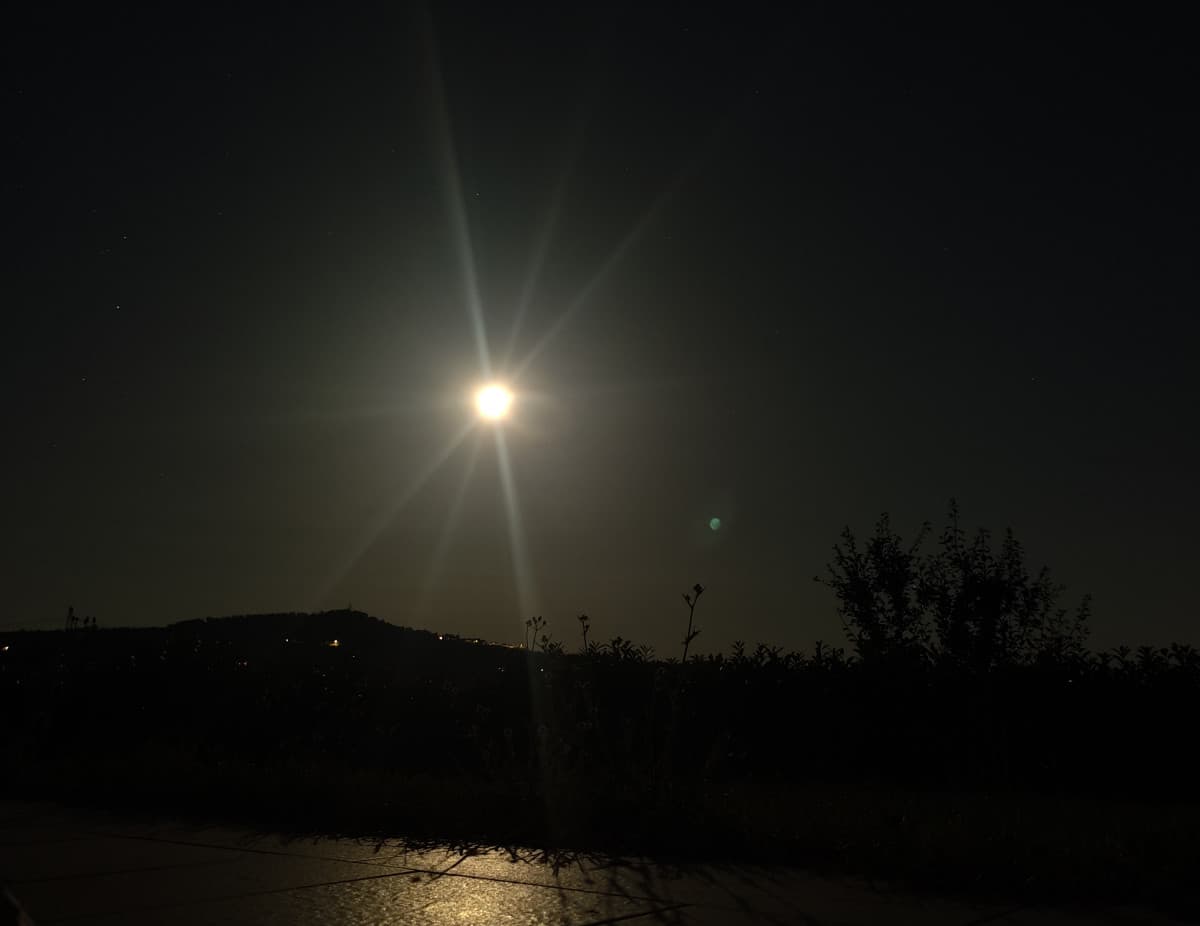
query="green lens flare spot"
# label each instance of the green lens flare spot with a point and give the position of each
(715, 524)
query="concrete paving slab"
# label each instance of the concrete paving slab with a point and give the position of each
(781, 893)
(67, 867)
(220, 837)
(449, 899)
(378, 900)
(127, 891)
(99, 855)
(1081, 916)
(901, 914)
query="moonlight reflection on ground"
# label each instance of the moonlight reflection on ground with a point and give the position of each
(493, 402)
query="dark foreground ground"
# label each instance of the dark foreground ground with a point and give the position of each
(973, 848)
(70, 866)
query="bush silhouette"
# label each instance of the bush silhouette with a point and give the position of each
(962, 605)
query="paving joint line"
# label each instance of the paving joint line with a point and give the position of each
(120, 871)
(633, 916)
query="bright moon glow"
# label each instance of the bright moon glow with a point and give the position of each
(493, 402)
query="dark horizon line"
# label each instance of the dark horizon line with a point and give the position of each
(847, 648)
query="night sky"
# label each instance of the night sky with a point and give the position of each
(784, 270)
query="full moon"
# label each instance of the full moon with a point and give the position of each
(493, 402)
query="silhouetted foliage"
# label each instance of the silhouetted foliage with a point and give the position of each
(691, 600)
(963, 605)
(533, 627)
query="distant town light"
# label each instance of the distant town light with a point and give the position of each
(334, 643)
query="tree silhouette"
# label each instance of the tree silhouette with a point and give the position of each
(883, 593)
(962, 605)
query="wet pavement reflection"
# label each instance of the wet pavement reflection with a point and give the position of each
(65, 866)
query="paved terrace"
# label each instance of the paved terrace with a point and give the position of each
(66, 866)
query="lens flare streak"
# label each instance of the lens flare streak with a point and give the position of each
(522, 574)
(434, 572)
(387, 513)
